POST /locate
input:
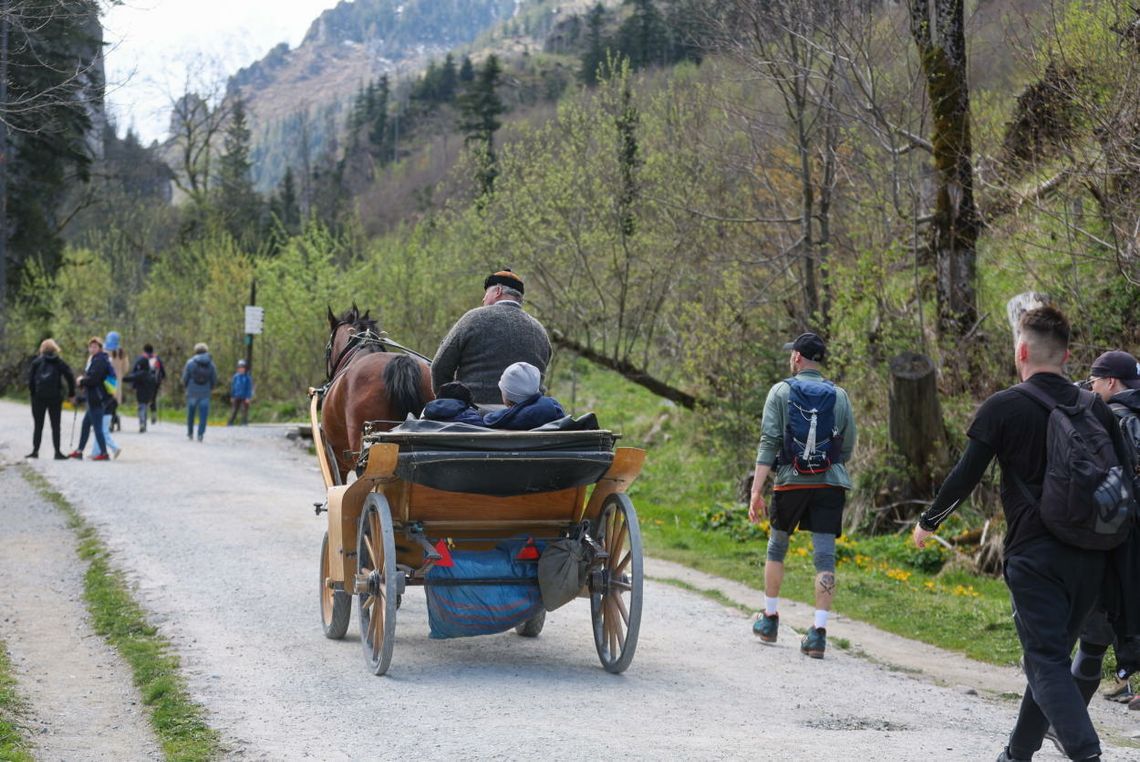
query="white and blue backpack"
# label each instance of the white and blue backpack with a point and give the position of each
(811, 440)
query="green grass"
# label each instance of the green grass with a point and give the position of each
(179, 723)
(688, 514)
(13, 745)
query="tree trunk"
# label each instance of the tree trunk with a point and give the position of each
(915, 420)
(630, 371)
(941, 42)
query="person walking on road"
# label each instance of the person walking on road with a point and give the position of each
(807, 434)
(487, 339)
(241, 393)
(200, 376)
(46, 377)
(93, 383)
(120, 362)
(145, 378)
(1053, 581)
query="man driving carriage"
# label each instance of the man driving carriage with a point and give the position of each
(488, 339)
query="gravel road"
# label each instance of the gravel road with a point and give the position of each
(221, 540)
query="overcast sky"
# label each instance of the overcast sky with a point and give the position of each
(151, 43)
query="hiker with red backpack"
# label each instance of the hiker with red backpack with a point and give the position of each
(1067, 500)
(807, 435)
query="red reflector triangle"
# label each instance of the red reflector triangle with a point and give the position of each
(529, 552)
(446, 560)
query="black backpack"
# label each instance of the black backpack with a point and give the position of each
(1086, 499)
(200, 373)
(47, 377)
(811, 441)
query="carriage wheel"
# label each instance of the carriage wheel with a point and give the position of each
(533, 626)
(336, 605)
(615, 589)
(376, 564)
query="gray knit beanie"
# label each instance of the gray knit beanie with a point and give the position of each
(520, 381)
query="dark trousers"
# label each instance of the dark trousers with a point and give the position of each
(39, 408)
(92, 419)
(239, 405)
(1053, 586)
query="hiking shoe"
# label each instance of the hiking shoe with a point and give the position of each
(1118, 690)
(814, 643)
(1004, 757)
(765, 627)
(60, 456)
(33, 454)
(115, 452)
(1134, 704)
(100, 456)
(76, 454)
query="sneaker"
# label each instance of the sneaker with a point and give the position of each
(199, 437)
(115, 453)
(1118, 690)
(814, 642)
(60, 456)
(33, 454)
(1004, 757)
(100, 456)
(1134, 704)
(765, 627)
(76, 454)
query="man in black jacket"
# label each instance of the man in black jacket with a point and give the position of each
(46, 377)
(1054, 585)
(97, 370)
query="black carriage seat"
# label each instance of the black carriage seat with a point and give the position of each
(458, 457)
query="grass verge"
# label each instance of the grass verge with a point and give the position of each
(177, 720)
(13, 745)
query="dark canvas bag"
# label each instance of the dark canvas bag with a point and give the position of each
(48, 378)
(1086, 499)
(200, 373)
(562, 572)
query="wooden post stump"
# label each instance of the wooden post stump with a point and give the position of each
(915, 421)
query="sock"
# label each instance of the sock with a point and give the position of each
(771, 605)
(820, 619)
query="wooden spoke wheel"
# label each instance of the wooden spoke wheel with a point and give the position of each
(376, 569)
(615, 587)
(336, 605)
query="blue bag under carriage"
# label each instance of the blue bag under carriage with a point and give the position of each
(484, 592)
(811, 441)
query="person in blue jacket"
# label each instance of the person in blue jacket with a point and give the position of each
(453, 405)
(92, 383)
(527, 407)
(200, 376)
(241, 393)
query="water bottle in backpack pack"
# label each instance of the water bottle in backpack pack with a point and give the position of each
(811, 439)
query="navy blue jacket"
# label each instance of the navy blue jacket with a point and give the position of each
(528, 414)
(452, 411)
(92, 383)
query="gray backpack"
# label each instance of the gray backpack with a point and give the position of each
(1086, 499)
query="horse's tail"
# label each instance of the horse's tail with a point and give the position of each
(402, 380)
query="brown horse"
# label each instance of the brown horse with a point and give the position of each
(366, 383)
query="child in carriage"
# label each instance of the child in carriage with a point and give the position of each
(453, 405)
(527, 407)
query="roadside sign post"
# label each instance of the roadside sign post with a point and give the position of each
(254, 320)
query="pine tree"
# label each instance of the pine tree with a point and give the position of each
(480, 108)
(448, 79)
(595, 55)
(286, 206)
(466, 70)
(239, 203)
(643, 36)
(378, 119)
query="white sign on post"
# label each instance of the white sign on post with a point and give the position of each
(254, 317)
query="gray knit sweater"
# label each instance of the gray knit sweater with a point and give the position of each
(481, 345)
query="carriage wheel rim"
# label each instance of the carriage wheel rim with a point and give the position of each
(616, 604)
(376, 557)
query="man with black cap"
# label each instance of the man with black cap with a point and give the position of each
(808, 435)
(488, 339)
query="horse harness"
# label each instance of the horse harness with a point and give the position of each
(366, 342)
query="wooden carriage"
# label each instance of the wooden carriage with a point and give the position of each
(470, 489)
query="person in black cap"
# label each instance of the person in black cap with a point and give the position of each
(807, 435)
(488, 339)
